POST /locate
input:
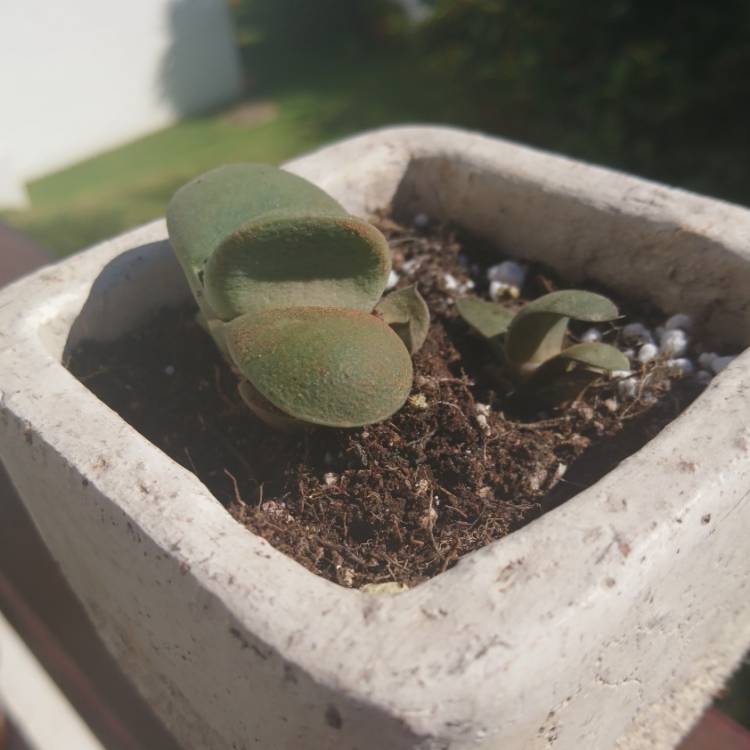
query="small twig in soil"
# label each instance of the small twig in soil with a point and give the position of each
(579, 399)
(447, 491)
(452, 406)
(450, 557)
(237, 495)
(456, 510)
(639, 395)
(424, 439)
(457, 381)
(347, 554)
(431, 516)
(397, 529)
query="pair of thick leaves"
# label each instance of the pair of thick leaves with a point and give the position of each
(286, 281)
(533, 339)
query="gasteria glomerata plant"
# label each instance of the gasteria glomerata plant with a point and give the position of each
(532, 342)
(286, 282)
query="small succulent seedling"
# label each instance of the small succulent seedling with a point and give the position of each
(532, 342)
(406, 312)
(286, 282)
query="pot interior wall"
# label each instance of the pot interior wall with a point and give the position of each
(585, 234)
(128, 290)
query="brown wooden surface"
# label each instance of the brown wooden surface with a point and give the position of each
(716, 731)
(10, 739)
(18, 255)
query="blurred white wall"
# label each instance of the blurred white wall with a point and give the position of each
(81, 76)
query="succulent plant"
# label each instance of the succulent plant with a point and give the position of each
(532, 342)
(286, 282)
(406, 312)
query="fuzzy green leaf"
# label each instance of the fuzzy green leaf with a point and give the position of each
(323, 366)
(537, 333)
(287, 259)
(266, 411)
(535, 339)
(487, 318)
(210, 207)
(597, 356)
(257, 237)
(564, 377)
(573, 303)
(407, 313)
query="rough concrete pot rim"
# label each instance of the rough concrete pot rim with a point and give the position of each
(604, 535)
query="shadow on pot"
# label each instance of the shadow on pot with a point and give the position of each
(128, 291)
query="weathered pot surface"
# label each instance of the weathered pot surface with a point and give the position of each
(609, 622)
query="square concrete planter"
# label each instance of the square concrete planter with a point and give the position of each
(608, 623)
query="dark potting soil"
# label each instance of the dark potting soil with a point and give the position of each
(402, 500)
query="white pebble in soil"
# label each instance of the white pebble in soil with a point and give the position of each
(500, 290)
(421, 221)
(452, 284)
(627, 388)
(482, 412)
(674, 343)
(508, 272)
(637, 333)
(393, 279)
(591, 336)
(680, 320)
(647, 353)
(409, 266)
(681, 366)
